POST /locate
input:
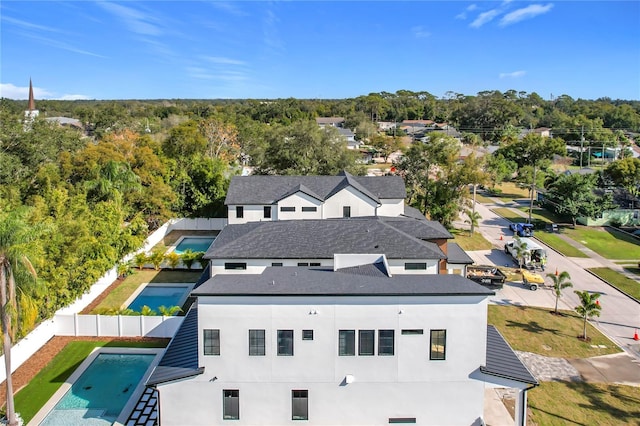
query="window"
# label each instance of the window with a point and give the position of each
(307, 334)
(303, 263)
(346, 342)
(256, 342)
(385, 342)
(438, 344)
(231, 404)
(239, 211)
(299, 405)
(309, 209)
(414, 266)
(412, 331)
(366, 342)
(276, 263)
(314, 264)
(287, 209)
(396, 420)
(285, 342)
(211, 342)
(346, 211)
(237, 266)
(267, 212)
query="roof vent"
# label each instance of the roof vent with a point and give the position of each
(273, 282)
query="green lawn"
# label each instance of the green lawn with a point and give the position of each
(619, 281)
(509, 190)
(32, 397)
(116, 298)
(470, 242)
(581, 403)
(483, 200)
(542, 215)
(554, 241)
(608, 243)
(532, 329)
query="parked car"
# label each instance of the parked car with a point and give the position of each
(522, 229)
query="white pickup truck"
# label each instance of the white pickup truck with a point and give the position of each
(532, 253)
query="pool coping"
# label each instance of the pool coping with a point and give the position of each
(131, 402)
(142, 286)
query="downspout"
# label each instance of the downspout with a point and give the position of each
(523, 405)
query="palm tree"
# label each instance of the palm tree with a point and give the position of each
(188, 258)
(588, 308)
(140, 259)
(169, 311)
(16, 273)
(560, 282)
(156, 258)
(173, 259)
(521, 251)
(473, 219)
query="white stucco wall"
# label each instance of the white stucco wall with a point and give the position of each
(360, 204)
(397, 266)
(297, 201)
(391, 207)
(251, 213)
(406, 384)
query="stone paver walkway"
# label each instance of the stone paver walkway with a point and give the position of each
(547, 369)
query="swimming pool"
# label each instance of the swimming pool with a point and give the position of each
(195, 244)
(155, 296)
(101, 391)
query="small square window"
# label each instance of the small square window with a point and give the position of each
(307, 334)
(346, 211)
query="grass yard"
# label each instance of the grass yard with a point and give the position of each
(470, 242)
(558, 244)
(608, 243)
(119, 294)
(542, 215)
(510, 190)
(581, 403)
(509, 214)
(483, 199)
(532, 329)
(41, 388)
(619, 281)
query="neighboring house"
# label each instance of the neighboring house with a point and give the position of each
(545, 132)
(330, 121)
(363, 319)
(65, 121)
(271, 198)
(383, 126)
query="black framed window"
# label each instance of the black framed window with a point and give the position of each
(415, 266)
(346, 211)
(267, 212)
(346, 342)
(239, 211)
(386, 342)
(285, 342)
(314, 264)
(211, 341)
(310, 209)
(412, 331)
(299, 405)
(287, 209)
(303, 263)
(276, 263)
(307, 334)
(235, 265)
(366, 342)
(256, 343)
(231, 404)
(438, 345)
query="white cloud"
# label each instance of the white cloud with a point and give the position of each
(484, 18)
(228, 7)
(515, 74)
(136, 21)
(420, 32)
(29, 25)
(224, 61)
(73, 97)
(525, 13)
(10, 91)
(463, 14)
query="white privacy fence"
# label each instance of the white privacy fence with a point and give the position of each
(116, 325)
(67, 323)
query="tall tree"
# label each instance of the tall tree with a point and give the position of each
(588, 308)
(16, 274)
(560, 282)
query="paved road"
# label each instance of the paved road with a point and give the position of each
(620, 315)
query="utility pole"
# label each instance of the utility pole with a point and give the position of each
(533, 188)
(581, 145)
(473, 208)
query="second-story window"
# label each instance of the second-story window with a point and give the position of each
(346, 211)
(385, 342)
(366, 342)
(346, 342)
(239, 211)
(211, 341)
(285, 342)
(256, 343)
(287, 209)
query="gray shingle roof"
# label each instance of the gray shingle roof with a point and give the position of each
(419, 228)
(180, 360)
(265, 190)
(318, 239)
(455, 254)
(301, 281)
(502, 361)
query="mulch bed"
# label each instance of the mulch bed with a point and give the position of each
(27, 371)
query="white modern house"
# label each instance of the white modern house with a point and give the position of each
(355, 320)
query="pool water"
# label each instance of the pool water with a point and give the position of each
(101, 391)
(155, 296)
(194, 243)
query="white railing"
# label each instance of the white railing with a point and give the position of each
(116, 325)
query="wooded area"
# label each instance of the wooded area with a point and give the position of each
(93, 195)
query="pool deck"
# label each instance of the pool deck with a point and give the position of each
(66, 386)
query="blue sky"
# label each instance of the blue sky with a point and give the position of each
(326, 49)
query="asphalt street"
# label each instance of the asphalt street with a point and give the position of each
(620, 315)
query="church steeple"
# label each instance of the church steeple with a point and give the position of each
(32, 101)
